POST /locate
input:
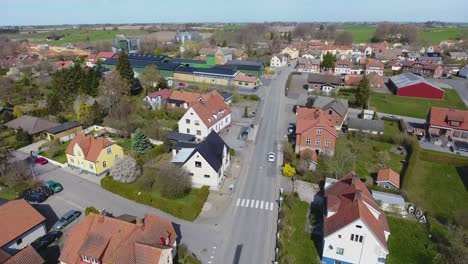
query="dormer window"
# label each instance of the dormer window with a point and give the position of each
(85, 259)
(455, 123)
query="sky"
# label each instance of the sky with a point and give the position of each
(56, 12)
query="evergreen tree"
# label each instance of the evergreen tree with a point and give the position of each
(140, 143)
(124, 68)
(328, 61)
(363, 93)
(289, 38)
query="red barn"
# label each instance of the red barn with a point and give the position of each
(412, 85)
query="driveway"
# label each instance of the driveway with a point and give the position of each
(460, 85)
(33, 147)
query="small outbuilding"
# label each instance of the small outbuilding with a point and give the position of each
(412, 85)
(366, 125)
(388, 178)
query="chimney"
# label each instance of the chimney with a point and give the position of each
(140, 222)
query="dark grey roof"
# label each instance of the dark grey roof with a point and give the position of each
(226, 96)
(216, 71)
(241, 62)
(30, 124)
(189, 61)
(176, 136)
(147, 57)
(183, 144)
(63, 127)
(433, 59)
(324, 103)
(137, 63)
(225, 66)
(185, 69)
(407, 79)
(366, 124)
(324, 79)
(212, 150)
(458, 54)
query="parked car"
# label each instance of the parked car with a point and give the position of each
(54, 186)
(41, 161)
(66, 219)
(291, 128)
(45, 240)
(35, 197)
(271, 157)
(45, 190)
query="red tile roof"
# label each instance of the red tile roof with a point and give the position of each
(211, 109)
(62, 64)
(343, 63)
(442, 116)
(90, 146)
(16, 218)
(187, 97)
(245, 78)
(388, 175)
(164, 93)
(351, 201)
(374, 63)
(115, 241)
(308, 118)
(27, 255)
(308, 154)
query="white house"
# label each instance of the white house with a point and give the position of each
(278, 60)
(293, 53)
(209, 113)
(20, 225)
(157, 99)
(355, 229)
(343, 67)
(206, 162)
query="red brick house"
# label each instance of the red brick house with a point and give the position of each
(423, 69)
(315, 130)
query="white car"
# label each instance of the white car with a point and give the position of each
(271, 157)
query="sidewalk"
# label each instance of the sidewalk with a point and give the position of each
(88, 177)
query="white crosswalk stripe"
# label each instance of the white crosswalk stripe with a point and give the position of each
(255, 204)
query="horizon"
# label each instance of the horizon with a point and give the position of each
(52, 12)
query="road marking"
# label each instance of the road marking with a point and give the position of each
(271, 206)
(242, 203)
(238, 201)
(256, 204)
(247, 203)
(261, 205)
(253, 203)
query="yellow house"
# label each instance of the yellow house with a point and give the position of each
(92, 155)
(292, 52)
(65, 129)
(243, 80)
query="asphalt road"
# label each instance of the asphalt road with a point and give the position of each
(250, 225)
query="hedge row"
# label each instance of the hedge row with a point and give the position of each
(440, 157)
(188, 211)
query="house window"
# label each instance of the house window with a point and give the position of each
(337, 262)
(360, 239)
(197, 123)
(308, 141)
(198, 164)
(198, 132)
(72, 161)
(339, 236)
(94, 261)
(188, 130)
(19, 241)
(104, 164)
(319, 132)
(358, 226)
(339, 251)
(456, 133)
(352, 237)
(454, 123)
(187, 121)
(91, 166)
(330, 112)
(190, 174)
(206, 176)
(85, 258)
(317, 142)
(327, 143)
(109, 150)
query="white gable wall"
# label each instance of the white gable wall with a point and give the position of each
(369, 251)
(26, 239)
(196, 127)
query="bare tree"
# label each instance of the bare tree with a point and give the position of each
(173, 181)
(150, 78)
(43, 68)
(148, 45)
(7, 88)
(120, 117)
(125, 169)
(341, 161)
(102, 45)
(344, 38)
(112, 88)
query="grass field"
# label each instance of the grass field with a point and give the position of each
(391, 128)
(409, 242)
(76, 35)
(362, 33)
(295, 242)
(438, 188)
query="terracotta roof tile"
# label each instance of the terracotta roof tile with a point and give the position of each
(16, 218)
(187, 97)
(351, 200)
(245, 78)
(90, 146)
(389, 175)
(442, 116)
(27, 255)
(308, 118)
(164, 93)
(212, 108)
(115, 241)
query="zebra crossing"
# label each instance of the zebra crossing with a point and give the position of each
(255, 204)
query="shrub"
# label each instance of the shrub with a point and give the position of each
(125, 169)
(172, 181)
(140, 143)
(91, 209)
(289, 170)
(232, 152)
(23, 136)
(17, 112)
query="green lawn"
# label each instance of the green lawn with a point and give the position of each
(391, 128)
(186, 208)
(295, 242)
(437, 187)
(77, 35)
(7, 193)
(58, 155)
(409, 242)
(366, 158)
(360, 33)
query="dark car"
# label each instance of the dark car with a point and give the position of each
(45, 240)
(54, 186)
(67, 219)
(35, 197)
